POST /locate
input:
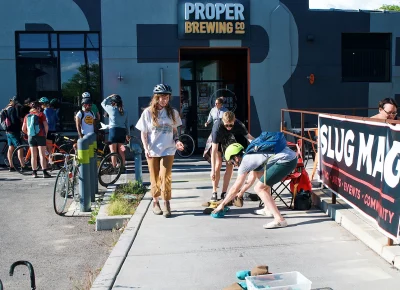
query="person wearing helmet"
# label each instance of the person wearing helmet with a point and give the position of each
(158, 125)
(85, 119)
(51, 117)
(119, 125)
(278, 166)
(95, 110)
(222, 134)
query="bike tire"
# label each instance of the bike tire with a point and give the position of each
(27, 160)
(188, 144)
(106, 173)
(61, 191)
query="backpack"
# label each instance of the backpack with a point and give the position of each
(267, 142)
(303, 201)
(32, 122)
(5, 121)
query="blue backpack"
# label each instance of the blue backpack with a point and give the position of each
(267, 143)
(32, 123)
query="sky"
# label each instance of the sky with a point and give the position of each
(351, 4)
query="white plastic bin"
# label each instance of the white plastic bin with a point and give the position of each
(279, 281)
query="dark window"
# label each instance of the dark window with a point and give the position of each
(33, 41)
(72, 40)
(57, 65)
(366, 57)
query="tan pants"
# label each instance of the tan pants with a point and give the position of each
(160, 169)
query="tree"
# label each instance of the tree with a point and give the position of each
(87, 79)
(390, 7)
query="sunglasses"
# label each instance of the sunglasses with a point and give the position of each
(228, 125)
(390, 113)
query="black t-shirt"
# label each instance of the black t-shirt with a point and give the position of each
(219, 133)
(14, 115)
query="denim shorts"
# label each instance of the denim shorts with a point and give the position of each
(13, 139)
(278, 171)
(35, 141)
(117, 135)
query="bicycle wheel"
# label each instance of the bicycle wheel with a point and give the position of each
(108, 172)
(74, 183)
(61, 190)
(188, 144)
(26, 156)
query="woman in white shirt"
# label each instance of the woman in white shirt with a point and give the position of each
(158, 125)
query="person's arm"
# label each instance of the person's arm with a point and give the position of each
(214, 152)
(24, 127)
(178, 144)
(249, 137)
(209, 119)
(78, 123)
(106, 104)
(252, 177)
(143, 136)
(232, 192)
(46, 128)
(127, 131)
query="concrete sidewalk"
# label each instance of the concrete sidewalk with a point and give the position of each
(194, 251)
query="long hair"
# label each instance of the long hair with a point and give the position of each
(154, 111)
(120, 106)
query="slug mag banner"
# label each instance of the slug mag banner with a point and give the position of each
(360, 161)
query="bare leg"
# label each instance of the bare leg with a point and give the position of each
(227, 176)
(218, 165)
(9, 155)
(34, 155)
(42, 154)
(264, 192)
(122, 153)
(113, 148)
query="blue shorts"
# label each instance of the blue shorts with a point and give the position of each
(117, 135)
(13, 139)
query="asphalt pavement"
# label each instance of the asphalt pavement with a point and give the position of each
(66, 252)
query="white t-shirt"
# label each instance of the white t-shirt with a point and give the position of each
(160, 138)
(86, 121)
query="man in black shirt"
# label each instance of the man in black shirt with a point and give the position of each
(222, 135)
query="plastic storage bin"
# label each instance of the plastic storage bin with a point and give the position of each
(282, 281)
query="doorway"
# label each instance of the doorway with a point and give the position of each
(207, 74)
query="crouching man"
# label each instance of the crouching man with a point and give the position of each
(278, 165)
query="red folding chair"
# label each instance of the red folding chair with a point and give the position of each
(291, 181)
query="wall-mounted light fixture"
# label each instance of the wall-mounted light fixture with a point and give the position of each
(310, 38)
(120, 77)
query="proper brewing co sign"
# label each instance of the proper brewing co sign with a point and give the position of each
(214, 20)
(361, 162)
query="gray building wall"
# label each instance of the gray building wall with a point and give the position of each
(140, 37)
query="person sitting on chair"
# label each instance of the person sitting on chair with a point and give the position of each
(278, 166)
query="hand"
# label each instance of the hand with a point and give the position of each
(128, 138)
(206, 124)
(218, 209)
(179, 146)
(147, 153)
(212, 175)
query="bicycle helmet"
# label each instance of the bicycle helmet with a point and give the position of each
(116, 99)
(162, 89)
(86, 101)
(233, 150)
(14, 99)
(44, 100)
(85, 95)
(53, 101)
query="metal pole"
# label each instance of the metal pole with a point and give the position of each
(95, 178)
(137, 150)
(91, 163)
(84, 174)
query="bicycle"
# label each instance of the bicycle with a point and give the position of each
(188, 145)
(66, 187)
(53, 159)
(110, 169)
(4, 150)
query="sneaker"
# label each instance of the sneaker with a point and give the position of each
(46, 174)
(275, 224)
(23, 169)
(12, 169)
(167, 209)
(156, 208)
(214, 196)
(263, 212)
(34, 174)
(238, 201)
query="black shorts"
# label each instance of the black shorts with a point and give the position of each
(117, 135)
(51, 136)
(36, 141)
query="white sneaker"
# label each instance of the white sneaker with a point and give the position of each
(275, 224)
(263, 212)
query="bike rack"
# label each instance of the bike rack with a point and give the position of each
(31, 272)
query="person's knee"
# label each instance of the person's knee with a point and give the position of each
(260, 187)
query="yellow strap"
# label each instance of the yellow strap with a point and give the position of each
(83, 156)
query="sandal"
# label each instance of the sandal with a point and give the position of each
(276, 224)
